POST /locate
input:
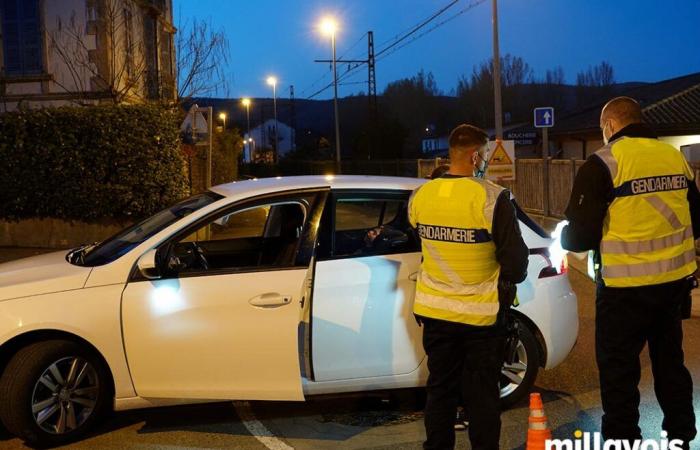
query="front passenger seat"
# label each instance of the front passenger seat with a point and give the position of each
(292, 222)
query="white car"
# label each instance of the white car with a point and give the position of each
(265, 289)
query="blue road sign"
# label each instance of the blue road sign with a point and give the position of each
(544, 117)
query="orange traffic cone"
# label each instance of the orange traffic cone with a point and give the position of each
(538, 430)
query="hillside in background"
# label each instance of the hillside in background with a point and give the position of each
(401, 122)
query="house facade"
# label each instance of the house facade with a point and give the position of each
(259, 144)
(58, 52)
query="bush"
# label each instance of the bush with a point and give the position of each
(92, 163)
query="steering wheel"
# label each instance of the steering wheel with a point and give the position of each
(199, 254)
(388, 238)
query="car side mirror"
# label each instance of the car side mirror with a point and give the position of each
(148, 265)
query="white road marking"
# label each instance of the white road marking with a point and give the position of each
(257, 429)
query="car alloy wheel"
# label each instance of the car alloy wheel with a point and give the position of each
(65, 395)
(512, 375)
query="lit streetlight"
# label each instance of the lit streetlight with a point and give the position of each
(246, 102)
(222, 116)
(329, 27)
(272, 81)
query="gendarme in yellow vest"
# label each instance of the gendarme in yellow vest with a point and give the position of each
(647, 233)
(458, 280)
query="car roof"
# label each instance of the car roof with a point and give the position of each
(260, 186)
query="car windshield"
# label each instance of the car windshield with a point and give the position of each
(121, 243)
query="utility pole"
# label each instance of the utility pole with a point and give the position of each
(371, 91)
(371, 76)
(293, 116)
(335, 106)
(210, 112)
(497, 73)
(545, 170)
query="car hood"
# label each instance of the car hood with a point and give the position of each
(41, 274)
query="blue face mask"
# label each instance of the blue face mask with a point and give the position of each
(482, 164)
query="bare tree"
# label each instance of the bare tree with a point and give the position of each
(595, 83)
(555, 76)
(119, 71)
(202, 56)
(600, 76)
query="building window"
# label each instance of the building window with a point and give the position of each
(22, 42)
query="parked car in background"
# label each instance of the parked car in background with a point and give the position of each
(263, 289)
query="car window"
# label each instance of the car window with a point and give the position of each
(121, 243)
(264, 236)
(248, 223)
(367, 225)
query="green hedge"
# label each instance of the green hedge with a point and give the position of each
(90, 163)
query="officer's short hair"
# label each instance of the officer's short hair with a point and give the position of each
(625, 110)
(467, 136)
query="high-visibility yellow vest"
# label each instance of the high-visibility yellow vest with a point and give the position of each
(647, 233)
(458, 280)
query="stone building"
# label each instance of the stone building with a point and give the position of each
(58, 52)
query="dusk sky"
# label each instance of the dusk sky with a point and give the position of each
(644, 40)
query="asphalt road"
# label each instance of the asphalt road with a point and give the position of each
(570, 392)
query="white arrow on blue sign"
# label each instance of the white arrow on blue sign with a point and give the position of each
(544, 117)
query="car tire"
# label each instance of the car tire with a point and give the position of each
(528, 353)
(53, 392)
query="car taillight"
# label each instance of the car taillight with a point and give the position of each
(550, 270)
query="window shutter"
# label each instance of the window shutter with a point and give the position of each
(31, 37)
(11, 37)
(21, 37)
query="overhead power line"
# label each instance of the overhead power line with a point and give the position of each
(417, 27)
(327, 74)
(470, 6)
(408, 37)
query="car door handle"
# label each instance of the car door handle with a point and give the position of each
(270, 300)
(413, 276)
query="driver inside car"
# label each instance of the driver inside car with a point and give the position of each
(379, 240)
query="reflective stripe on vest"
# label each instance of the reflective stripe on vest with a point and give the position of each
(647, 234)
(458, 280)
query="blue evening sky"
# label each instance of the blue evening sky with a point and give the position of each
(645, 40)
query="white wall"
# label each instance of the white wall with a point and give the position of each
(679, 141)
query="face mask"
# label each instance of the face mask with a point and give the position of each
(482, 162)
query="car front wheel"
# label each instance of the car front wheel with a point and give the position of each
(53, 392)
(518, 377)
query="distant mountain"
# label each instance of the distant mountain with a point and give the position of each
(317, 115)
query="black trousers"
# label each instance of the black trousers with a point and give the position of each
(466, 360)
(626, 320)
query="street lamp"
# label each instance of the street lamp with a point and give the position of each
(329, 27)
(222, 116)
(272, 81)
(246, 102)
